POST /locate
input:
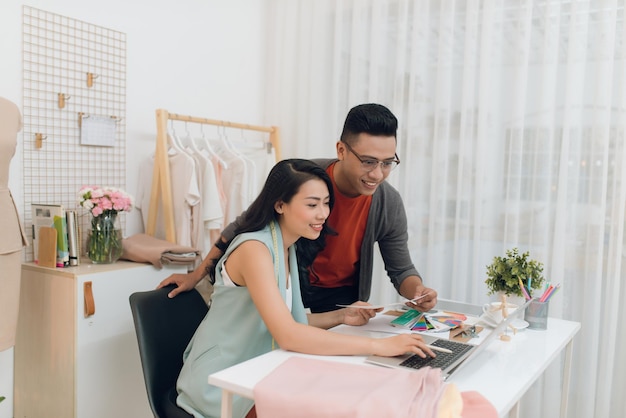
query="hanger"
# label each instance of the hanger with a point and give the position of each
(224, 149)
(227, 147)
(192, 147)
(246, 160)
(226, 142)
(206, 145)
(248, 144)
(254, 145)
(173, 141)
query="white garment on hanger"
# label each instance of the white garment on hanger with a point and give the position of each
(208, 214)
(263, 161)
(219, 166)
(185, 195)
(212, 215)
(227, 148)
(235, 184)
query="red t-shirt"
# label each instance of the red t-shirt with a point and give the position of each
(337, 265)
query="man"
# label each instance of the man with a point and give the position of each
(367, 210)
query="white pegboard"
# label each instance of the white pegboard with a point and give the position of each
(61, 58)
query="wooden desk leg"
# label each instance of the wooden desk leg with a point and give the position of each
(514, 412)
(227, 404)
(566, 376)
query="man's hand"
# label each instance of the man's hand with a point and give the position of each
(424, 300)
(184, 283)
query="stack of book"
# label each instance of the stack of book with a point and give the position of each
(56, 235)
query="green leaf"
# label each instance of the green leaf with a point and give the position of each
(504, 273)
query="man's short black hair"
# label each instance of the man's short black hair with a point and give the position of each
(369, 118)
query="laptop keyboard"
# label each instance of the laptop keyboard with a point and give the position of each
(442, 360)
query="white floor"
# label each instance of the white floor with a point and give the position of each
(6, 383)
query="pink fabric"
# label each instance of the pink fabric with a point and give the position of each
(312, 388)
(476, 405)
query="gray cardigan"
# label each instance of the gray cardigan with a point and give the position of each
(387, 225)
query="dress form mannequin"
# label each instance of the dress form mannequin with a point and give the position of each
(13, 236)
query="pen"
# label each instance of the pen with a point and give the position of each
(418, 298)
(380, 306)
(435, 348)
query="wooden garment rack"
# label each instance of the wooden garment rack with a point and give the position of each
(161, 183)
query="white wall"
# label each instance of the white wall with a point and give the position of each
(201, 58)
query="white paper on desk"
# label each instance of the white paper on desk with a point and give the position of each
(390, 305)
(97, 130)
(361, 306)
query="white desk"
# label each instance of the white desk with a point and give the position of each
(524, 359)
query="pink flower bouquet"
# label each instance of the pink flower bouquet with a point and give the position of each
(105, 237)
(99, 200)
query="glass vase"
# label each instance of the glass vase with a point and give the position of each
(104, 242)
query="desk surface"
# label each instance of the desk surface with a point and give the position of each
(524, 359)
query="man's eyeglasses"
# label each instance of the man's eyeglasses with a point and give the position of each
(370, 164)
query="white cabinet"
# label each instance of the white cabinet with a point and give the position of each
(70, 365)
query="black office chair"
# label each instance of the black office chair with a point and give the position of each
(164, 327)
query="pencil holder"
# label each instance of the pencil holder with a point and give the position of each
(537, 314)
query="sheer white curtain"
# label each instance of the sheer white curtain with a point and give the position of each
(511, 135)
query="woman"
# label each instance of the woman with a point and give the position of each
(256, 304)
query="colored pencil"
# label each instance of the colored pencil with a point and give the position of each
(524, 291)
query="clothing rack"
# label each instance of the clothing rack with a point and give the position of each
(161, 185)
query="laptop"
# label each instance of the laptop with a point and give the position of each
(462, 353)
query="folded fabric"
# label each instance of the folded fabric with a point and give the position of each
(174, 258)
(145, 248)
(312, 388)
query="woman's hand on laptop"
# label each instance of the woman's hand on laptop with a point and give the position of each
(402, 344)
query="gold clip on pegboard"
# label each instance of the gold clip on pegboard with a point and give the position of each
(90, 78)
(62, 99)
(83, 115)
(39, 140)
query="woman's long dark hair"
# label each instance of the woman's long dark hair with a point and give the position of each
(282, 183)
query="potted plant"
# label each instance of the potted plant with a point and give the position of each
(504, 274)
